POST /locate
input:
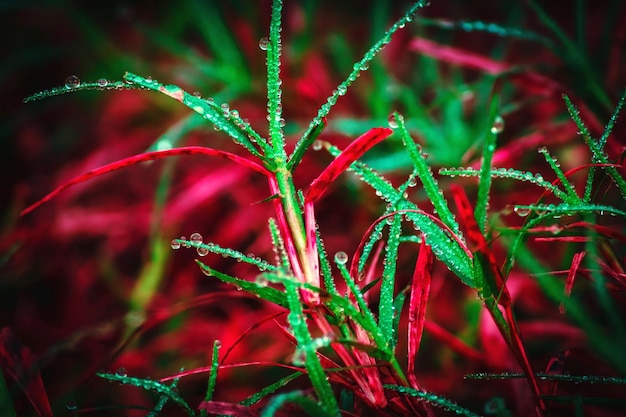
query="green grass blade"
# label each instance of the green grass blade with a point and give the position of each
(274, 92)
(514, 174)
(484, 179)
(493, 28)
(370, 324)
(208, 396)
(445, 248)
(433, 399)
(398, 304)
(222, 117)
(204, 248)
(315, 370)
(278, 244)
(156, 411)
(257, 288)
(325, 268)
(598, 153)
(150, 385)
(75, 85)
(609, 126)
(386, 310)
(299, 398)
(573, 198)
(270, 389)
(358, 67)
(434, 193)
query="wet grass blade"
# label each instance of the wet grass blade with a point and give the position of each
(315, 370)
(386, 310)
(599, 156)
(262, 291)
(431, 187)
(208, 396)
(150, 385)
(341, 90)
(270, 389)
(432, 399)
(484, 179)
(221, 116)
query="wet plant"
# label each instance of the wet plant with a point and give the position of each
(343, 315)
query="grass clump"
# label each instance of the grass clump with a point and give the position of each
(348, 328)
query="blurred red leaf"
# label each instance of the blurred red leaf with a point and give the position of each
(19, 363)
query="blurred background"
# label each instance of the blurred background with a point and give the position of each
(88, 281)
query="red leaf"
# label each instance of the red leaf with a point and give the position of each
(418, 301)
(19, 363)
(478, 244)
(353, 152)
(148, 156)
(420, 290)
(569, 282)
(219, 407)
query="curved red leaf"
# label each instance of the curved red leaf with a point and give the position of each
(144, 157)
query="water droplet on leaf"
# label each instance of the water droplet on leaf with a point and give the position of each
(175, 244)
(196, 238)
(264, 43)
(202, 251)
(72, 81)
(341, 257)
(498, 125)
(102, 82)
(317, 145)
(393, 123)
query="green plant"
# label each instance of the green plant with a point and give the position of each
(348, 339)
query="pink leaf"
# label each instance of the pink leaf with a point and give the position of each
(229, 409)
(144, 157)
(420, 289)
(353, 152)
(569, 282)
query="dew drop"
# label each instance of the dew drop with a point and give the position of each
(393, 123)
(196, 94)
(341, 90)
(121, 371)
(261, 280)
(72, 81)
(498, 125)
(217, 344)
(281, 122)
(341, 258)
(264, 43)
(317, 145)
(412, 182)
(102, 82)
(71, 405)
(196, 238)
(175, 244)
(202, 251)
